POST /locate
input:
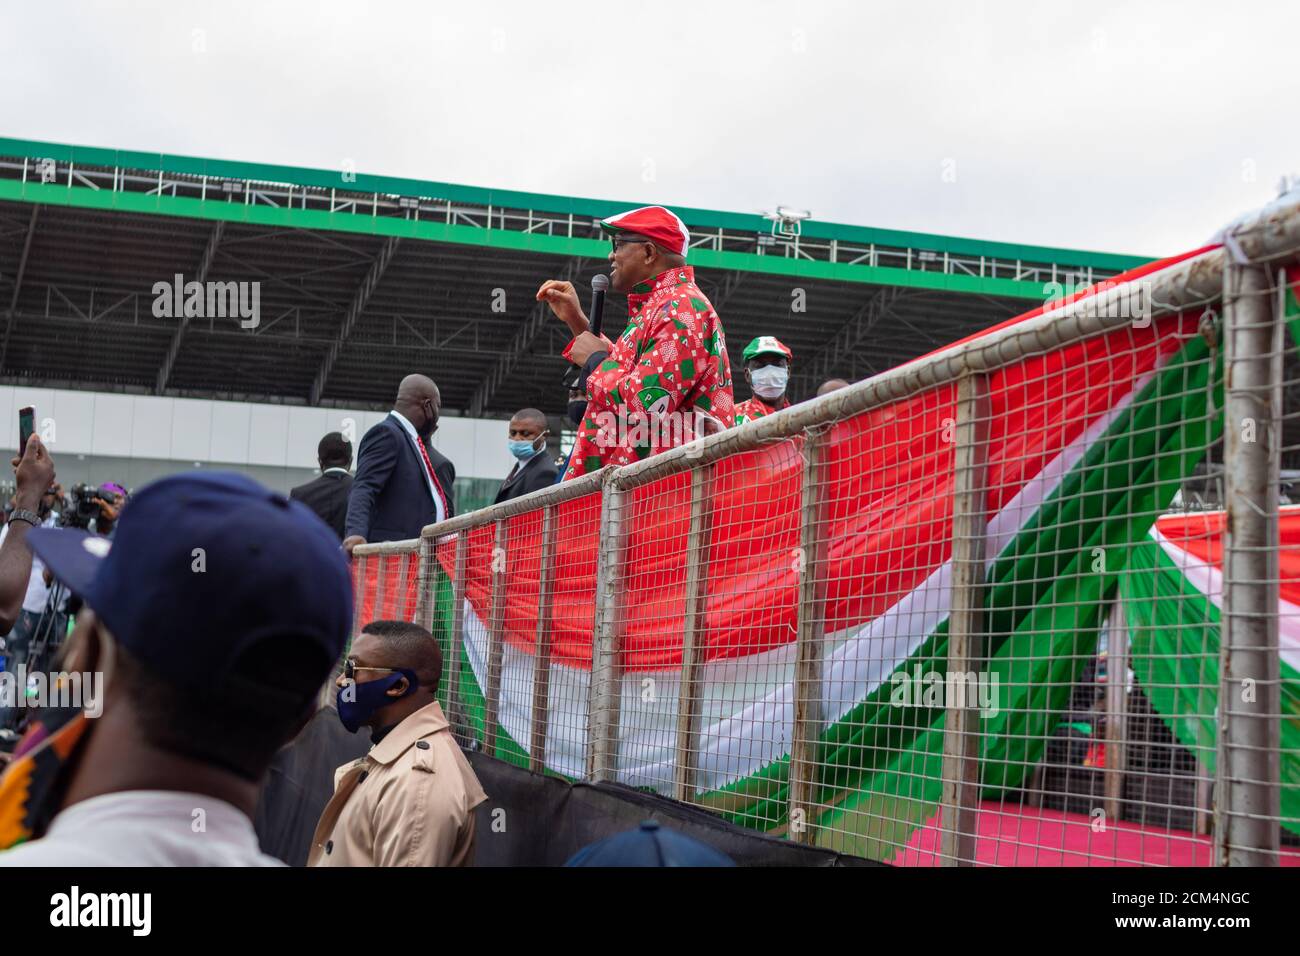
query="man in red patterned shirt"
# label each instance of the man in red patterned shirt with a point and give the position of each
(666, 378)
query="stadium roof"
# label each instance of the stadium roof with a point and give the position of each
(365, 278)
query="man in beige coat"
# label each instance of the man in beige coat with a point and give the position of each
(410, 801)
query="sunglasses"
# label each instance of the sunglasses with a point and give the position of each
(615, 243)
(350, 668)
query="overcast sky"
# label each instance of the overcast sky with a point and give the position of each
(1125, 127)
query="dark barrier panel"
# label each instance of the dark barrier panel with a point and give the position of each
(532, 820)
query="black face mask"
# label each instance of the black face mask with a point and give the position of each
(430, 421)
(575, 410)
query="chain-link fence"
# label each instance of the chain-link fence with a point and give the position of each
(1030, 600)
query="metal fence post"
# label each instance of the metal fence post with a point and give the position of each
(424, 586)
(381, 583)
(960, 772)
(456, 713)
(1247, 798)
(542, 651)
(496, 640)
(606, 679)
(808, 647)
(424, 609)
(358, 593)
(688, 697)
(1116, 712)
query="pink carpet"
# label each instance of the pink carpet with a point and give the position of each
(1012, 835)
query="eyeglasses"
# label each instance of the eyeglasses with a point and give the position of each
(616, 242)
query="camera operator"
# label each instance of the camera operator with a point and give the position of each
(95, 509)
(89, 509)
(111, 499)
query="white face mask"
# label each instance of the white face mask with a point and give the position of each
(769, 381)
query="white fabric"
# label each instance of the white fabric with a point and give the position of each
(747, 713)
(1208, 579)
(769, 381)
(428, 478)
(145, 828)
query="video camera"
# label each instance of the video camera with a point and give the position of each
(83, 506)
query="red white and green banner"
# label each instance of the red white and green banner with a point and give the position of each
(1173, 605)
(1087, 445)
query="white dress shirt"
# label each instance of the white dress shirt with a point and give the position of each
(439, 512)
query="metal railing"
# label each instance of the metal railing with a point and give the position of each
(942, 616)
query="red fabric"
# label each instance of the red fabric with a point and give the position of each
(1201, 535)
(1139, 272)
(756, 407)
(397, 597)
(437, 485)
(655, 223)
(888, 484)
(888, 525)
(669, 362)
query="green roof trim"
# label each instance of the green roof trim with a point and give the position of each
(697, 219)
(433, 231)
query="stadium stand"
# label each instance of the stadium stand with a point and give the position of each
(363, 277)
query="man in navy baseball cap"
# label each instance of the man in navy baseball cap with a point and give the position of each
(214, 617)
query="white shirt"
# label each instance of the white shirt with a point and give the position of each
(145, 828)
(438, 511)
(37, 590)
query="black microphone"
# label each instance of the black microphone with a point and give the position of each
(599, 283)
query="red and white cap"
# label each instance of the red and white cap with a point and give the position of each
(661, 226)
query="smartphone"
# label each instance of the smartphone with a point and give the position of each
(26, 425)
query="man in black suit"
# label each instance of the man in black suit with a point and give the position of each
(328, 494)
(527, 442)
(401, 483)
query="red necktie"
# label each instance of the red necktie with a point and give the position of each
(437, 487)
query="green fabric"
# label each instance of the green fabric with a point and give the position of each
(1174, 651)
(1045, 608)
(880, 764)
(764, 345)
(1291, 313)
(472, 705)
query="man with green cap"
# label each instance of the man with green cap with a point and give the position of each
(767, 370)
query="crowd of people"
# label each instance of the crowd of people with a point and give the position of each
(34, 628)
(237, 723)
(217, 619)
